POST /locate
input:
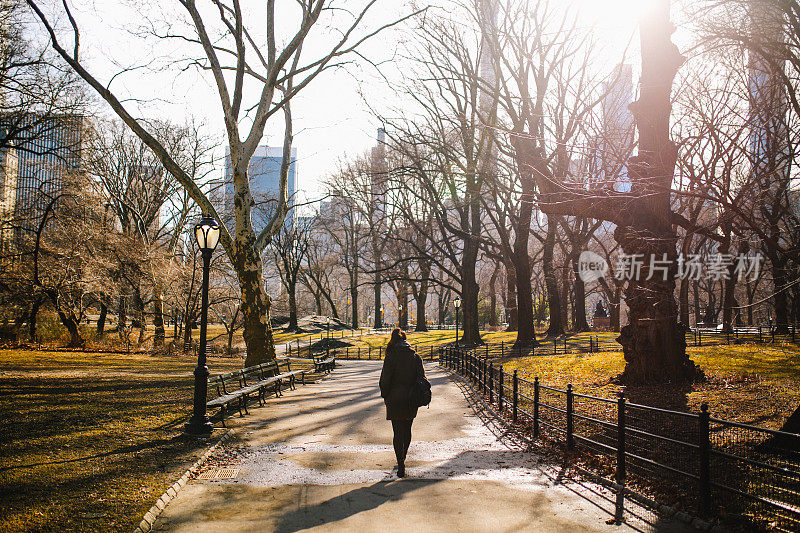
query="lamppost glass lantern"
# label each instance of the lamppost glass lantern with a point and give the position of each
(206, 232)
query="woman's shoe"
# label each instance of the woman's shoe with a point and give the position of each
(401, 471)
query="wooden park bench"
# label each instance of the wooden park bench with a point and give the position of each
(227, 387)
(325, 363)
(237, 387)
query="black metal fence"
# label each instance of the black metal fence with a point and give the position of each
(717, 467)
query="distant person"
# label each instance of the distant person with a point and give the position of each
(401, 368)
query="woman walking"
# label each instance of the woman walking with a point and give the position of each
(401, 368)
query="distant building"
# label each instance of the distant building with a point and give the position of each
(49, 157)
(768, 105)
(608, 152)
(264, 173)
(9, 171)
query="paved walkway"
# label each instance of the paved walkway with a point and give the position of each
(320, 459)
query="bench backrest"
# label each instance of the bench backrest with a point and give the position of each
(226, 383)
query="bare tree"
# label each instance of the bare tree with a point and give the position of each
(239, 65)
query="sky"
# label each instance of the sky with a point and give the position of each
(331, 115)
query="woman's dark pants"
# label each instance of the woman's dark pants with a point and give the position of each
(402, 439)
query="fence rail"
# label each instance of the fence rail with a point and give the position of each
(719, 467)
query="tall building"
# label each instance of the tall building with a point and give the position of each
(9, 170)
(49, 156)
(616, 141)
(768, 106)
(264, 171)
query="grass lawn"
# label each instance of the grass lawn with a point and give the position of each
(88, 441)
(750, 383)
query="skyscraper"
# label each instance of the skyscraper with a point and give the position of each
(49, 156)
(264, 172)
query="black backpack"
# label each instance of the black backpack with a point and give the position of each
(420, 393)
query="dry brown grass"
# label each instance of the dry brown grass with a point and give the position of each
(88, 441)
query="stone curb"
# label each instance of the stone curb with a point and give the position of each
(149, 519)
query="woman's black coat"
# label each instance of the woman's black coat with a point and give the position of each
(400, 370)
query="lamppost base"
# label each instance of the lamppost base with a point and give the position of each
(198, 427)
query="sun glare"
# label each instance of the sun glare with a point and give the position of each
(615, 13)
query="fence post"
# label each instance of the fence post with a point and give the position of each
(487, 349)
(705, 466)
(792, 332)
(773, 334)
(591, 344)
(620, 473)
(502, 348)
(536, 406)
(514, 398)
(699, 338)
(500, 388)
(759, 334)
(570, 442)
(359, 353)
(565, 344)
(347, 352)
(555, 347)
(491, 382)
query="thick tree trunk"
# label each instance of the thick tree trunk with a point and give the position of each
(683, 299)
(255, 306)
(469, 294)
(526, 335)
(556, 327)
(653, 343)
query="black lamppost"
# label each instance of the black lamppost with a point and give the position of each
(207, 234)
(457, 304)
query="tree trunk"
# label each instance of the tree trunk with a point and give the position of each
(469, 293)
(526, 335)
(493, 297)
(255, 307)
(556, 327)
(101, 320)
(402, 306)
(158, 317)
(653, 343)
(33, 318)
(122, 312)
(354, 304)
(683, 298)
(292, 290)
(579, 309)
(422, 300)
(376, 287)
(616, 310)
(779, 300)
(511, 299)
